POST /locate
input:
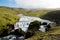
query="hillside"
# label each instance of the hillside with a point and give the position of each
(53, 16)
(7, 16)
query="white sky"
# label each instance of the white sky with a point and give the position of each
(38, 3)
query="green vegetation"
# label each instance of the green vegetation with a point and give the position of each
(36, 13)
(8, 16)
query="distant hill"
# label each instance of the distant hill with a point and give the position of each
(53, 16)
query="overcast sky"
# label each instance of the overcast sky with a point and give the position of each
(31, 3)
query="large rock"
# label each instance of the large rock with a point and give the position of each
(48, 27)
(33, 27)
(19, 32)
(4, 32)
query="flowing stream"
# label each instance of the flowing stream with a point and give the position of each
(12, 37)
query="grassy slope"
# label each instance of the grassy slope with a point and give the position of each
(7, 15)
(53, 16)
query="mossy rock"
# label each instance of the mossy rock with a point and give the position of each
(33, 27)
(19, 32)
(4, 32)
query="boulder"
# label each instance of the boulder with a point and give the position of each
(19, 32)
(33, 27)
(48, 27)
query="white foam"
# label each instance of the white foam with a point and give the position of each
(24, 22)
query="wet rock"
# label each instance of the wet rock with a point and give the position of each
(44, 23)
(10, 26)
(33, 27)
(48, 27)
(19, 32)
(29, 34)
(4, 32)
